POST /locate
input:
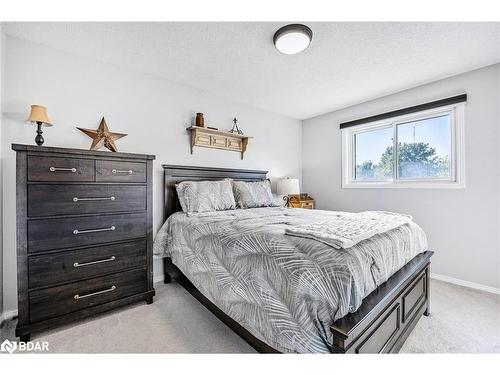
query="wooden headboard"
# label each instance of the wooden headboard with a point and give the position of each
(173, 174)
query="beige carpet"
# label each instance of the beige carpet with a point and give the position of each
(462, 320)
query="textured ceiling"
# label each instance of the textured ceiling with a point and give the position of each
(347, 63)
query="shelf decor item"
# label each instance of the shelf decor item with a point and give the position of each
(102, 137)
(200, 121)
(288, 187)
(235, 128)
(39, 116)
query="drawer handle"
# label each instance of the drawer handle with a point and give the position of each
(77, 296)
(76, 264)
(76, 231)
(76, 199)
(118, 171)
(55, 169)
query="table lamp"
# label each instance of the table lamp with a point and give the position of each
(39, 116)
(287, 187)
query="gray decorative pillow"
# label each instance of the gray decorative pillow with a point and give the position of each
(205, 196)
(253, 194)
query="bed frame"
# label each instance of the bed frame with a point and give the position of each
(380, 325)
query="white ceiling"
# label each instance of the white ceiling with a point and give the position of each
(347, 63)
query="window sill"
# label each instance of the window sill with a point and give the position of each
(404, 185)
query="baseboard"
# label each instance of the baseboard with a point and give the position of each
(7, 315)
(158, 278)
(468, 284)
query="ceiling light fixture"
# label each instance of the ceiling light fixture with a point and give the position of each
(292, 39)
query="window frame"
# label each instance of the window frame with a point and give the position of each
(457, 157)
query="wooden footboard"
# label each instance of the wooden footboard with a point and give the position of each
(389, 314)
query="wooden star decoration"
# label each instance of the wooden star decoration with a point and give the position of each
(102, 137)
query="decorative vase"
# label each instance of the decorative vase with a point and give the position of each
(200, 121)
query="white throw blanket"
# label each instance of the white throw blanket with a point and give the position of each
(346, 230)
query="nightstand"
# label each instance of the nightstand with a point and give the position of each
(301, 201)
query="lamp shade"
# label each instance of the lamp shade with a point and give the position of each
(39, 114)
(288, 186)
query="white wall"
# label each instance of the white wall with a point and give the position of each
(154, 112)
(462, 225)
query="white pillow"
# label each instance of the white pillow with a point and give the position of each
(253, 194)
(205, 196)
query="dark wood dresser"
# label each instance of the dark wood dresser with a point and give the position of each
(84, 234)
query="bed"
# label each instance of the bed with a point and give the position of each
(360, 300)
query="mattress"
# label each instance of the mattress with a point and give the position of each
(285, 290)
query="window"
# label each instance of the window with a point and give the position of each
(373, 155)
(422, 149)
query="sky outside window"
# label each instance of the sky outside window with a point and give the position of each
(424, 150)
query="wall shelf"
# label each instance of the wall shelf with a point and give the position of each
(210, 138)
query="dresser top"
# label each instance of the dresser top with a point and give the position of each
(77, 151)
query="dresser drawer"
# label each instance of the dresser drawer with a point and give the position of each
(68, 266)
(120, 171)
(46, 168)
(47, 200)
(52, 302)
(51, 234)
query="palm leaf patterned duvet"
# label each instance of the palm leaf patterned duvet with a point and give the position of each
(285, 290)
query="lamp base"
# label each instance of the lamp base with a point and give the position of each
(39, 138)
(286, 198)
